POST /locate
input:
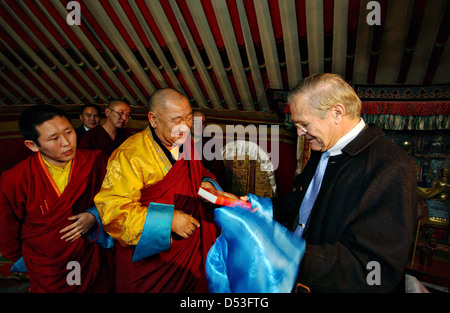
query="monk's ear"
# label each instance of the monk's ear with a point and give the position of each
(30, 144)
(152, 119)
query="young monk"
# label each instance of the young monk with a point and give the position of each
(43, 203)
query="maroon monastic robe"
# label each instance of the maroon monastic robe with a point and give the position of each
(32, 215)
(98, 138)
(181, 267)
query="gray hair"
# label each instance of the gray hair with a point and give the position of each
(325, 90)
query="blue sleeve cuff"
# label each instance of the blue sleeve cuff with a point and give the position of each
(19, 266)
(97, 234)
(213, 182)
(156, 233)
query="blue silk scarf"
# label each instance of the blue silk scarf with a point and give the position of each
(254, 253)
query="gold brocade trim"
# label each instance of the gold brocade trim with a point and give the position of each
(438, 220)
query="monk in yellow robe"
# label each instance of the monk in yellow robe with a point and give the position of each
(149, 203)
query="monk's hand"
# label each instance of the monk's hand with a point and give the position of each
(207, 185)
(183, 224)
(81, 225)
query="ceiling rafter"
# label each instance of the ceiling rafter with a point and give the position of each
(222, 54)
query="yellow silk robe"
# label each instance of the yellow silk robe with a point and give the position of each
(137, 163)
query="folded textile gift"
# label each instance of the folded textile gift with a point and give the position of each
(254, 253)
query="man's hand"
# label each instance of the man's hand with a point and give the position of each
(83, 222)
(183, 224)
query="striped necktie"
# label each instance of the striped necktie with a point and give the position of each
(311, 194)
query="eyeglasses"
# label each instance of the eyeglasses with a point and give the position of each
(302, 128)
(123, 114)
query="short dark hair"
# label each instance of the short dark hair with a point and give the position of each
(35, 116)
(91, 105)
(113, 102)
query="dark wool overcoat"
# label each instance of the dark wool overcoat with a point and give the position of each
(364, 212)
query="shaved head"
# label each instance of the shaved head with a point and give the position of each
(199, 114)
(170, 115)
(113, 103)
(161, 97)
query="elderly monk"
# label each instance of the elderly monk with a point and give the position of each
(149, 203)
(43, 203)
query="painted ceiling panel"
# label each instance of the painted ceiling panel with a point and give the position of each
(223, 54)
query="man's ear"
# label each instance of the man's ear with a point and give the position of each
(152, 118)
(30, 144)
(107, 111)
(338, 112)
